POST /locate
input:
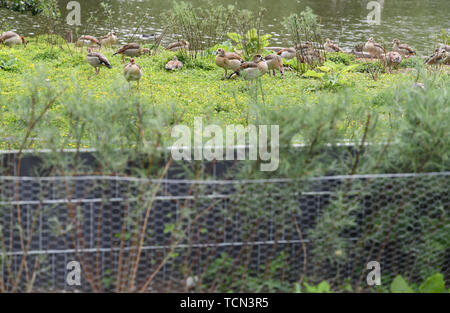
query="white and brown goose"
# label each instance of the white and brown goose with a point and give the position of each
(331, 47)
(132, 50)
(403, 48)
(11, 39)
(132, 72)
(87, 41)
(300, 49)
(393, 59)
(287, 53)
(274, 62)
(227, 60)
(108, 40)
(374, 49)
(96, 60)
(440, 57)
(181, 44)
(252, 70)
(174, 64)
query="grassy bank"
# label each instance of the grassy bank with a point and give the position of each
(197, 90)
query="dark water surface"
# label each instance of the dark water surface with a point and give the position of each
(344, 21)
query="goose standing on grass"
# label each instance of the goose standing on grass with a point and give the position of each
(174, 64)
(274, 62)
(132, 50)
(374, 49)
(87, 41)
(109, 39)
(96, 59)
(227, 60)
(287, 53)
(439, 58)
(132, 72)
(175, 46)
(252, 70)
(403, 49)
(393, 59)
(331, 47)
(11, 39)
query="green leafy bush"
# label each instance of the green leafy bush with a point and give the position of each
(433, 284)
(251, 44)
(33, 6)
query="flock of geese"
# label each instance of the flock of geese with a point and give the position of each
(230, 61)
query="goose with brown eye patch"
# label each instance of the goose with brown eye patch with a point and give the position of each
(227, 60)
(274, 62)
(374, 49)
(403, 49)
(132, 72)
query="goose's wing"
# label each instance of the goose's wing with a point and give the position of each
(7, 35)
(232, 56)
(91, 38)
(127, 47)
(407, 48)
(101, 58)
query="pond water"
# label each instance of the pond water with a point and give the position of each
(344, 21)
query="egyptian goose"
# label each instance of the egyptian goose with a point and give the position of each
(331, 47)
(108, 40)
(11, 39)
(174, 64)
(438, 58)
(96, 59)
(393, 59)
(374, 49)
(175, 46)
(132, 72)
(287, 53)
(87, 41)
(291, 53)
(274, 62)
(132, 50)
(227, 60)
(252, 70)
(403, 49)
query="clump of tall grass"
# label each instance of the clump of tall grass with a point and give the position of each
(202, 27)
(304, 27)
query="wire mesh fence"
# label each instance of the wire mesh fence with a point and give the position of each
(132, 234)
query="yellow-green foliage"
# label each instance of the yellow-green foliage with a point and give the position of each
(197, 90)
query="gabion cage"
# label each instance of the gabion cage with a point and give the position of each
(132, 234)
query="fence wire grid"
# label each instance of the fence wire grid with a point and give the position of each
(132, 234)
